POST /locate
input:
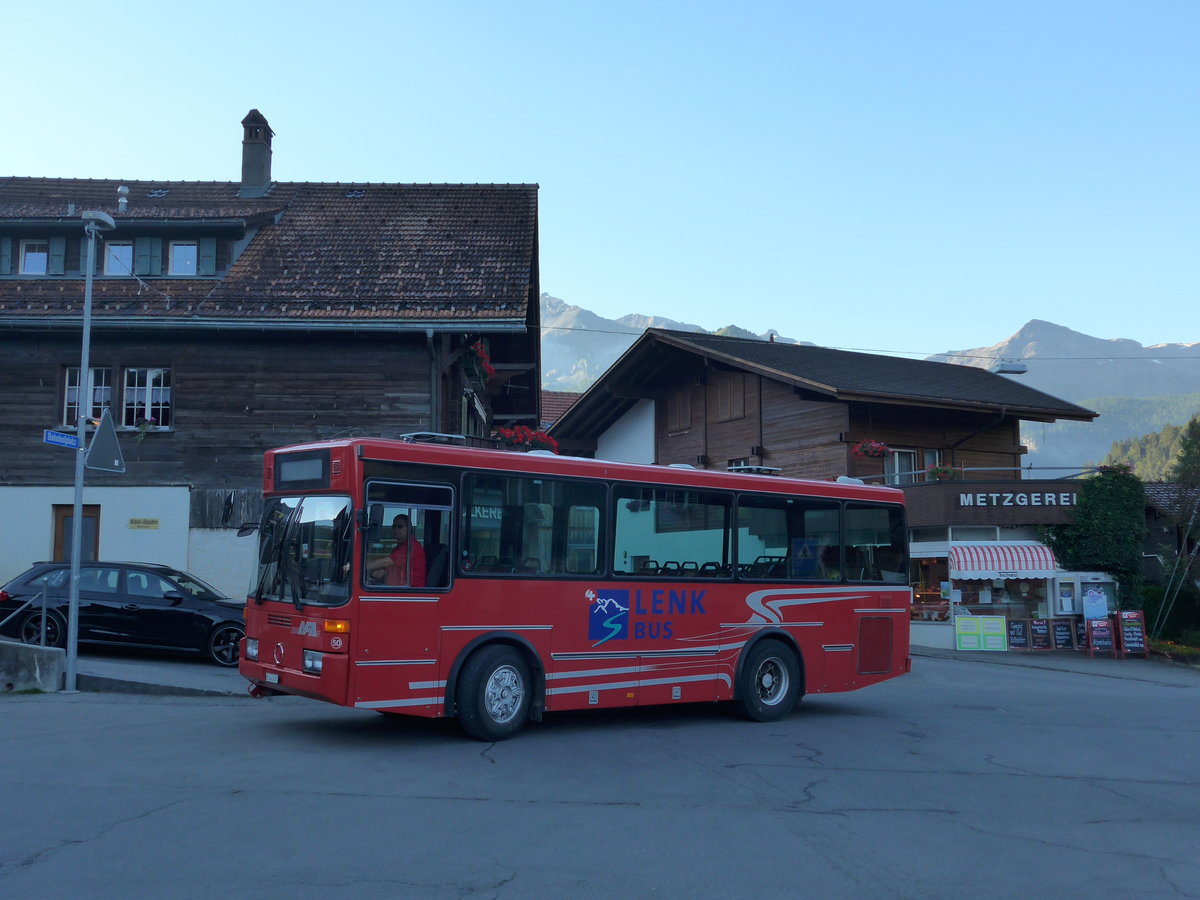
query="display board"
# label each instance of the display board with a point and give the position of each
(1039, 635)
(1080, 633)
(1101, 638)
(1018, 634)
(1131, 633)
(980, 633)
(1062, 630)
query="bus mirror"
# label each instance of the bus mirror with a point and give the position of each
(374, 523)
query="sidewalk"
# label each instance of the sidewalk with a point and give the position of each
(1136, 668)
(103, 672)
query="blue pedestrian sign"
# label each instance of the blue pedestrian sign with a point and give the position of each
(59, 439)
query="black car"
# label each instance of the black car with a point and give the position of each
(132, 604)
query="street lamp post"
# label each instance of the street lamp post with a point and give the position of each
(94, 221)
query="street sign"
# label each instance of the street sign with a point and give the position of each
(59, 439)
(104, 452)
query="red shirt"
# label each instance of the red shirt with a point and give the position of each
(398, 572)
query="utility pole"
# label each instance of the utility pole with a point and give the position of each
(94, 221)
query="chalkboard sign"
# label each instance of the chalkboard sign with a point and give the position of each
(1039, 635)
(1018, 634)
(1132, 633)
(1100, 637)
(1063, 632)
(1080, 633)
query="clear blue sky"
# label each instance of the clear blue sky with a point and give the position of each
(910, 177)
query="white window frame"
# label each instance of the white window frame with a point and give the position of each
(144, 401)
(901, 467)
(175, 270)
(99, 388)
(27, 249)
(114, 265)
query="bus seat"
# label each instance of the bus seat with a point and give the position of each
(437, 558)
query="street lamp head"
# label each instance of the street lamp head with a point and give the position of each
(98, 220)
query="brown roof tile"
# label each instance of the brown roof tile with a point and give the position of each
(361, 252)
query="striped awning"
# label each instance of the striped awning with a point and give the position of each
(1002, 559)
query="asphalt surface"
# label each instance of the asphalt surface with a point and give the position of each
(112, 672)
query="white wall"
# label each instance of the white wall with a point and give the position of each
(27, 524)
(631, 437)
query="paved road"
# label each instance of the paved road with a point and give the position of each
(964, 779)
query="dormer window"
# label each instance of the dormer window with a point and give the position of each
(183, 258)
(35, 257)
(118, 258)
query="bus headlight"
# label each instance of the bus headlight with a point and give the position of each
(251, 648)
(313, 660)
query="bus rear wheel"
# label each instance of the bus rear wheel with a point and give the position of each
(493, 693)
(769, 686)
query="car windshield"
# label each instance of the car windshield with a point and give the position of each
(193, 585)
(304, 551)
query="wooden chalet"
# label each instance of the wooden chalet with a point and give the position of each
(803, 411)
(230, 317)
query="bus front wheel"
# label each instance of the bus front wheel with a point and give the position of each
(769, 686)
(493, 693)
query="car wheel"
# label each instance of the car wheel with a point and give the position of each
(56, 629)
(224, 644)
(493, 693)
(769, 686)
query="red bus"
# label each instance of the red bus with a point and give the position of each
(429, 578)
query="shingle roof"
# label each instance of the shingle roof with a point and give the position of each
(837, 374)
(353, 252)
(845, 373)
(1176, 500)
(555, 403)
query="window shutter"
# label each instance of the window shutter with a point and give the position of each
(56, 265)
(147, 256)
(83, 257)
(5, 255)
(207, 264)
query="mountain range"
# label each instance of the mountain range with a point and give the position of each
(1136, 389)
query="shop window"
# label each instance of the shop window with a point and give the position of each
(974, 533)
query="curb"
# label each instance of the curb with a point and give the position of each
(101, 685)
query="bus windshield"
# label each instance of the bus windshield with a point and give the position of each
(304, 551)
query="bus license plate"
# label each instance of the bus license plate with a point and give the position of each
(272, 678)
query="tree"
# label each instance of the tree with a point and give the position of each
(1186, 470)
(1108, 530)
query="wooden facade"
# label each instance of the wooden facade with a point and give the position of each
(283, 313)
(801, 410)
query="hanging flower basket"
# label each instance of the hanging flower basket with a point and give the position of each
(524, 438)
(876, 449)
(484, 369)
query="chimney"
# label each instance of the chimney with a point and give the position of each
(256, 155)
